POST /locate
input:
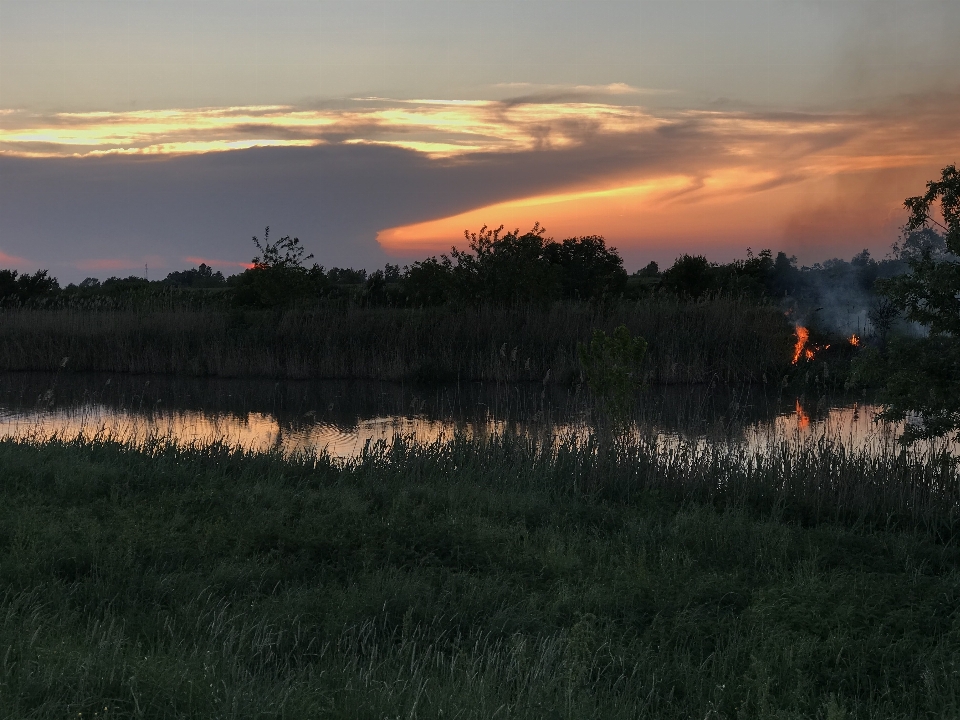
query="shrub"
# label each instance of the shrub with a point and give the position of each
(612, 365)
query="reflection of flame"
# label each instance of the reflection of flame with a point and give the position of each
(855, 340)
(802, 336)
(803, 420)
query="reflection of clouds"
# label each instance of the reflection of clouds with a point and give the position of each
(257, 432)
(853, 427)
(254, 431)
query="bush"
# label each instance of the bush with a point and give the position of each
(20, 289)
(278, 277)
(613, 367)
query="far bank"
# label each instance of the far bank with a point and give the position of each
(722, 340)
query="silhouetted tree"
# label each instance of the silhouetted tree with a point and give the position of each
(651, 269)
(23, 288)
(784, 277)
(689, 276)
(505, 269)
(202, 276)
(588, 269)
(278, 276)
(428, 282)
(923, 374)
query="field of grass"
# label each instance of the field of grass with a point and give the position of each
(719, 340)
(477, 579)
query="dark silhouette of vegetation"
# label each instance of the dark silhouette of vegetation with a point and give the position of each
(514, 268)
(510, 276)
(721, 340)
(507, 269)
(198, 277)
(612, 366)
(921, 375)
(278, 276)
(428, 282)
(763, 276)
(589, 270)
(494, 268)
(691, 276)
(16, 289)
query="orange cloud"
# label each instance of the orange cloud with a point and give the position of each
(792, 181)
(12, 260)
(576, 212)
(438, 128)
(645, 180)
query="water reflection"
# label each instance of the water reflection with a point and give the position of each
(341, 417)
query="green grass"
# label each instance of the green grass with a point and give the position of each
(718, 340)
(476, 579)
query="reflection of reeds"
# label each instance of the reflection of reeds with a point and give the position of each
(718, 340)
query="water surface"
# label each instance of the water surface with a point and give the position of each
(342, 417)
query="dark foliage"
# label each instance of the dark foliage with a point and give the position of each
(428, 282)
(198, 277)
(923, 374)
(495, 268)
(691, 276)
(19, 289)
(514, 267)
(507, 269)
(278, 276)
(612, 365)
(589, 269)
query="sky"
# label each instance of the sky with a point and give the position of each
(145, 136)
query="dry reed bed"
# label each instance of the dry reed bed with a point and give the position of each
(719, 340)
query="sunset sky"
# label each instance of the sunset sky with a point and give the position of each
(168, 133)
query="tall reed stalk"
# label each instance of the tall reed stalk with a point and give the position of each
(721, 340)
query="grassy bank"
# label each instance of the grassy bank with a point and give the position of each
(722, 340)
(476, 580)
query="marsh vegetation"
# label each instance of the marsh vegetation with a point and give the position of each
(721, 340)
(477, 578)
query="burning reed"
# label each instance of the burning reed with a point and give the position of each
(720, 340)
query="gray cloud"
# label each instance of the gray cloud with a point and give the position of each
(60, 211)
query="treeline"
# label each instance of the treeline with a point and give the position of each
(496, 267)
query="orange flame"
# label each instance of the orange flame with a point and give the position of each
(803, 420)
(802, 336)
(801, 349)
(855, 340)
